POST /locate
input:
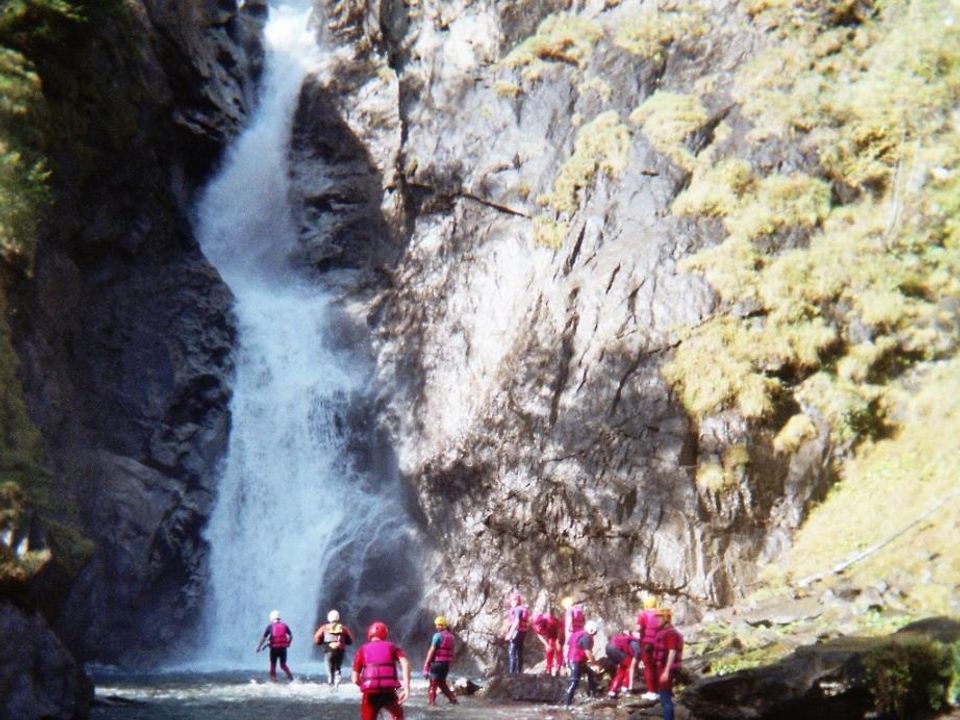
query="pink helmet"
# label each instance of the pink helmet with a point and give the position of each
(378, 630)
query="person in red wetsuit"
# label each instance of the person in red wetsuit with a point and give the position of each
(623, 649)
(375, 671)
(278, 637)
(437, 664)
(548, 629)
(647, 625)
(573, 620)
(668, 659)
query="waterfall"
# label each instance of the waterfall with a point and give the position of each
(284, 533)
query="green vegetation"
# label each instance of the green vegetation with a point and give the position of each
(910, 678)
(37, 38)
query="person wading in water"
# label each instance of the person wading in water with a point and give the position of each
(278, 637)
(375, 671)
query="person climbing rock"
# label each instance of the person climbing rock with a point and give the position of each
(375, 671)
(573, 620)
(647, 625)
(668, 659)
(623, 650)
(548, 629)
(581, 660)
(278, 637)
(437, 664)
(518, 619)
(334, 636)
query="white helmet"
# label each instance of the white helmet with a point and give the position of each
(274, 615)
(590, 627)
(333, 616)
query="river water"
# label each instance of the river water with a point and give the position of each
(250, 696)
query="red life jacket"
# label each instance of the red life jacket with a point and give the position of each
(444, 651)
(279, 635)
(522, 616)
(577, 653)
(621, 643)
(649, 625)
(668, 635)
(379, 672)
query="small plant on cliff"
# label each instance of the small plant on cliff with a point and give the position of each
(667, 24)
(601, 145)
(563, 38)
(668, 119)
(909, 678)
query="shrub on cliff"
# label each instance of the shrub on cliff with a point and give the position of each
(911, 678)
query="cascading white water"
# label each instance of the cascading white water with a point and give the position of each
(283, 489)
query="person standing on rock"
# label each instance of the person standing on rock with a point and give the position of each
(573, 620)
(581, 659)
(548, 629)
(668, 659)
(278, 637)
(437, 665)
(623, 650)
(648, 623)
(334, 636)
(518, 619)
(375, 671)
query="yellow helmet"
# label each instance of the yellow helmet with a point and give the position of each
(649, 602)
(440, 621)
(566, 603)
(666, 613)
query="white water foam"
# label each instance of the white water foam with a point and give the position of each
(282, 489)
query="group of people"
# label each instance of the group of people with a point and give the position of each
(653, 644)
(375, 663)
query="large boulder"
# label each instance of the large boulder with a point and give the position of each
(38, 676)
(827, 680)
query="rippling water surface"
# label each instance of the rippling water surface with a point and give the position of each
(250, 696)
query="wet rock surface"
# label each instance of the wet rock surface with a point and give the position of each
(40, 678)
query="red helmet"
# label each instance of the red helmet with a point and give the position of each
(377, 630)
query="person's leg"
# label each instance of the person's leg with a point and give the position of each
(283, 663)
(520, 639)
(574, 681)
(649, 674)
(273, 663)
(591, 680)
(445, 689)
(368, 710)
(512, 661)
(432, 692)
(666, 701)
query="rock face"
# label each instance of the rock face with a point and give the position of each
(126, 336)
(527, 322)
(40, 678)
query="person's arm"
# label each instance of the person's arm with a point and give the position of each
(263, 639)
(434, 641)
(665, 675)
(405, 689)
(318, 635)
(346, 637)
(357, 666)
(513, 627)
